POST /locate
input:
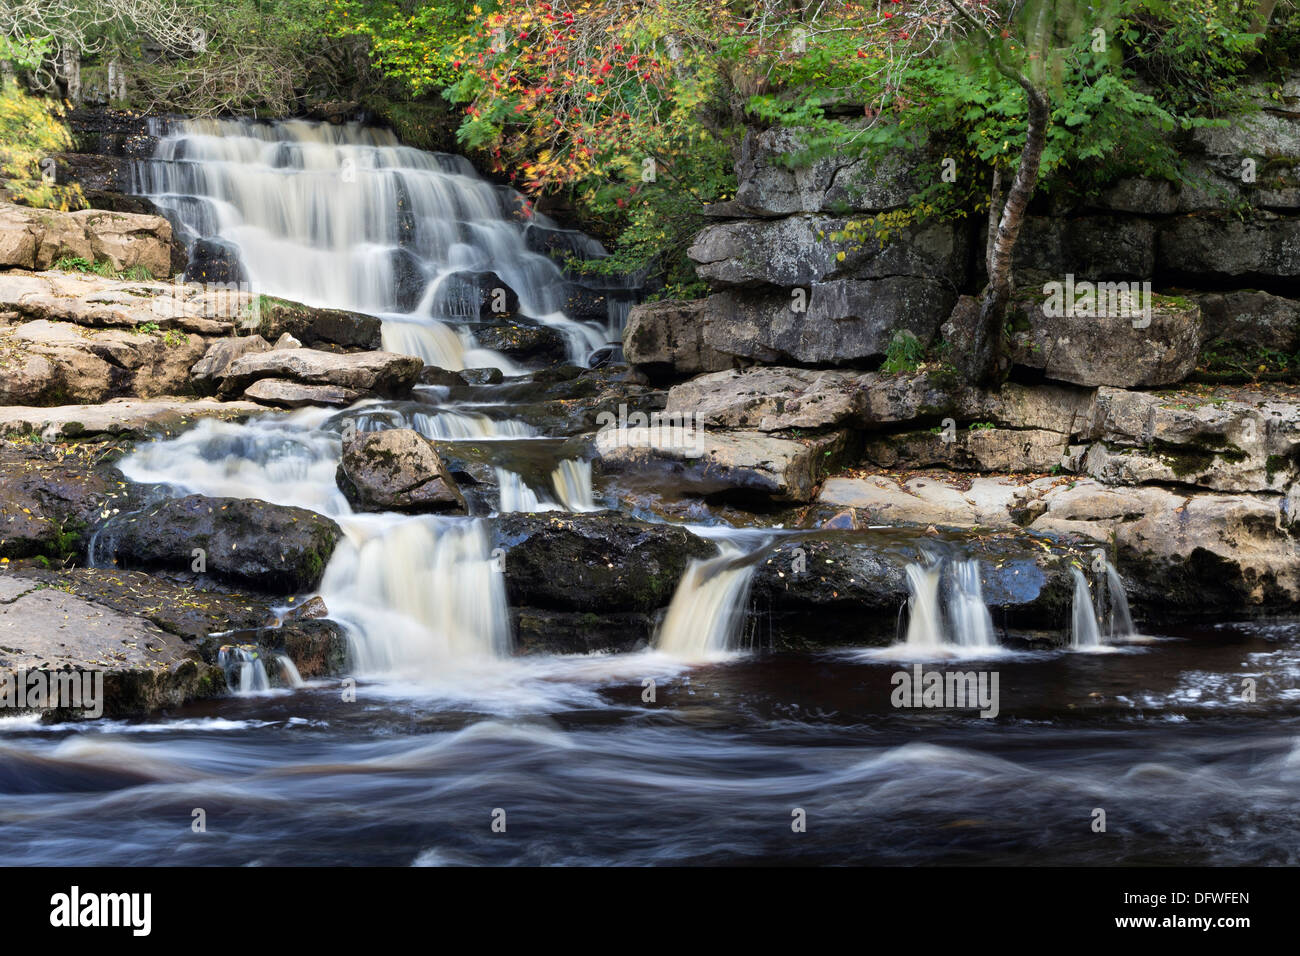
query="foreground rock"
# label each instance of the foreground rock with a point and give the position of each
(37, 238)
(144, 668)
(397, 469)
(270, 547)
(378, 373)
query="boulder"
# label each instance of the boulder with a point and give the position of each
(667, 337)
(481, 296)
(523, 341)
(316, 327)
(265, 546)
(596, 563)
(1251, 319)
(397, 469)
(384, 373)
(1116, 350)
(840, 322)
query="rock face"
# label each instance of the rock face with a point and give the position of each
(37, 238)
(316, 327)
(771, 399)
(382, 373)
(768, 186)
(1116, 350)
(397, 469)
(975, 449)
(1227, 248)
(1089, 247)
(55, 363)
(281, 393)
(1249, 318)
(207, 372)
(265, 546)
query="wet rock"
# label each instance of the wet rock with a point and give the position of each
(607, 356)
(49, 501)
(541, 631)
(432, 375)
(818, 588)
(482, 376)
(524, 342)
(1115, 350)
(384, 373)
(484, 296)
(316, 327)
(282, 393)
(397, 469)
(599, 563)
(215, 261)
(270, 547)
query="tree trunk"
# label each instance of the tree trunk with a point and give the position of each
(988, 363)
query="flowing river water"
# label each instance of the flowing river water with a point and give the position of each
(701, 749)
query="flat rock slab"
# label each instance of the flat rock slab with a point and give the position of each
(378, 372)
(117, 418)
(144, 667)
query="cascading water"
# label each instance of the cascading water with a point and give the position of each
(244, 668)
(707, 611)
(346, 217)
(1116, 620)
(1084, 633)
(572, 481)
(940, 620)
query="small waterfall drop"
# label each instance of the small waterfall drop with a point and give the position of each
(572, 481)
(1114, 615)
(707, 612)
(244, 668)
(290, 670)
(1084, 633)
(940, 619)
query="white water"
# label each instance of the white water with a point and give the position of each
(941, 622)
(1084, 633)
(1115, 617)
(245, 671)
(345, 217)
(572, 481)
(707, 612)
(290, 670)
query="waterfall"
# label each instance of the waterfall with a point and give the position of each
(516, 495)
(290, 670)
(417, 595)
(1084, 632)
(939, 620)
(346, 217)
(707, 611)
(1113, 602)
(245, 672)
(572, 481)
(972, 625)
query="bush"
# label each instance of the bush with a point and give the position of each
(31, 129)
